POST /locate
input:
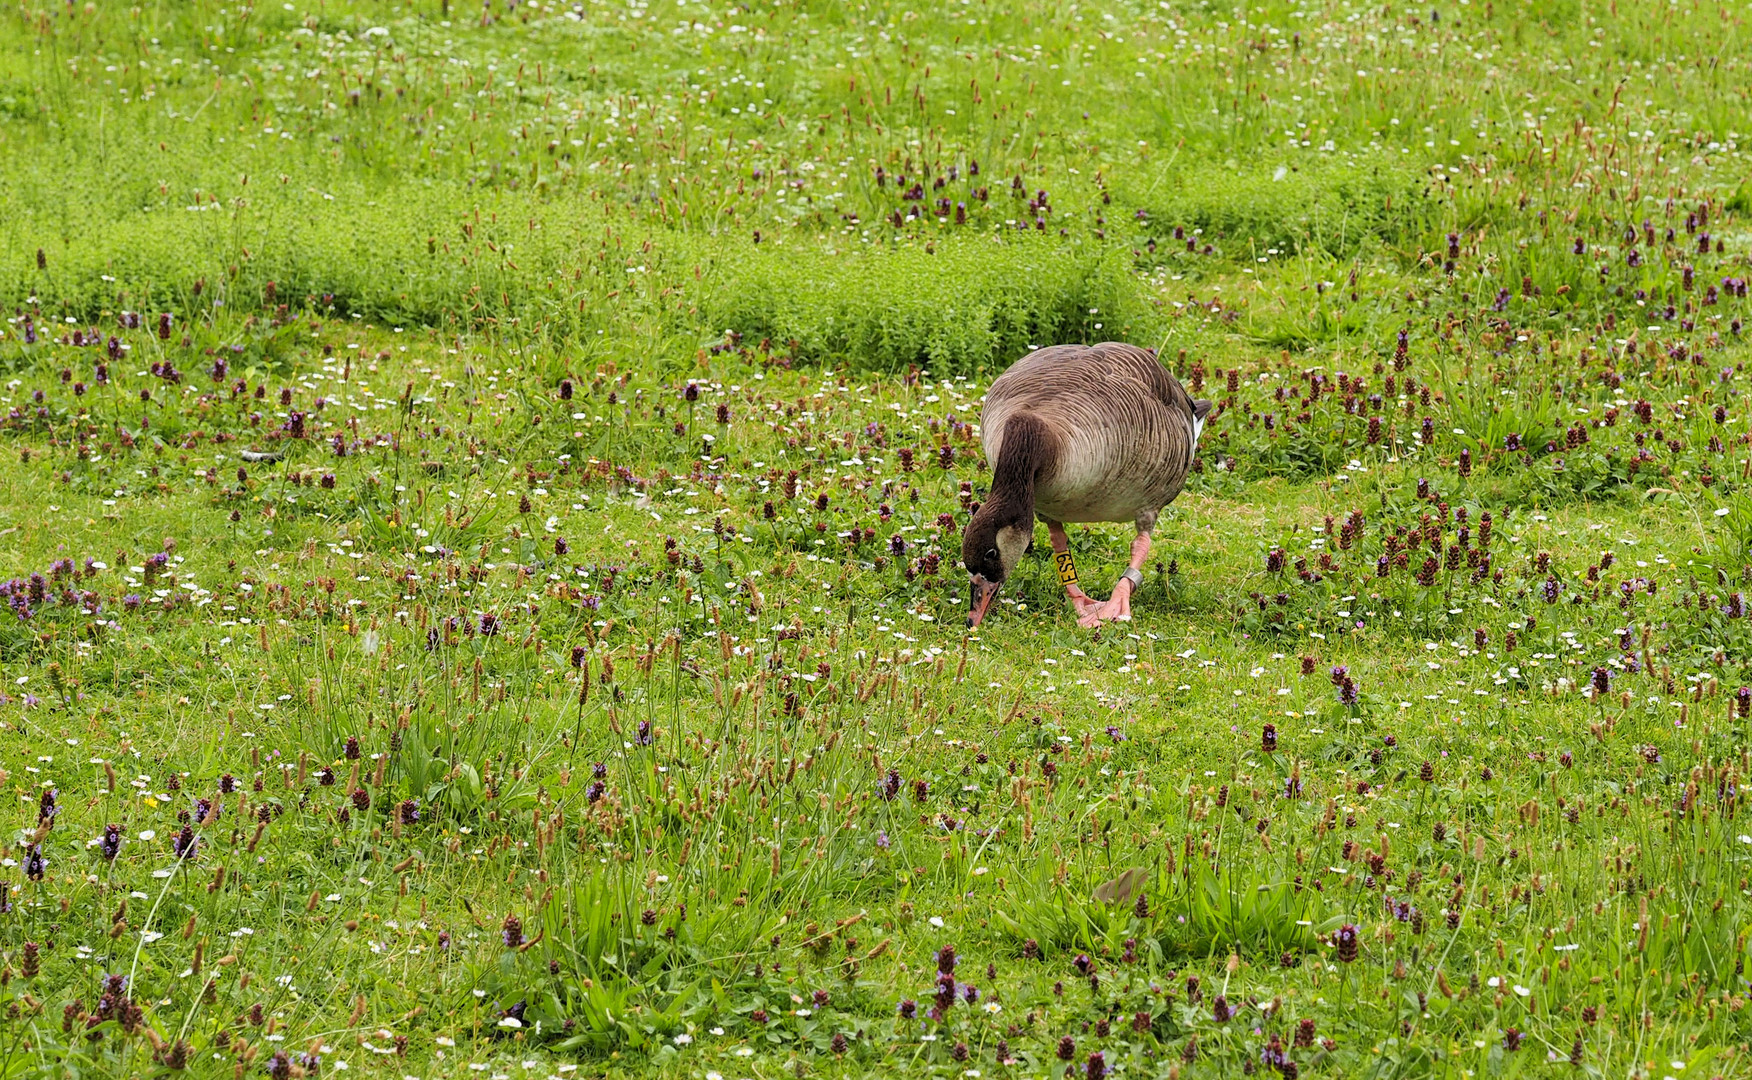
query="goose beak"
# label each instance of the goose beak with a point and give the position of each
(983, 593)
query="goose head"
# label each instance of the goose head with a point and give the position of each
(990, 549)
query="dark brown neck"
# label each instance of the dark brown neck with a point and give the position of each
(1029, 448)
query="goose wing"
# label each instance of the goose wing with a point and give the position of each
(1128, 429)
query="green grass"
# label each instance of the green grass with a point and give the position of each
(521, 638)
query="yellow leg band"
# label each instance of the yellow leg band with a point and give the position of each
(1067, 570)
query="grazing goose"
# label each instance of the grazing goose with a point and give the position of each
(1078, 433)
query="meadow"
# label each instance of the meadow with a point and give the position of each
(480, 543)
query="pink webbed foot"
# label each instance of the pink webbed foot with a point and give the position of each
(1116, 608)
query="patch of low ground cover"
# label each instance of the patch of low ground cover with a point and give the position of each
(628, 723)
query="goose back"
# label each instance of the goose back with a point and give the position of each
(1127, 430)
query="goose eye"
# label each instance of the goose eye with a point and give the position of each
(992, 554)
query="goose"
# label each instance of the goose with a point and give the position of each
(1078, 433)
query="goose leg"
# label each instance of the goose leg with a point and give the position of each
(1118, 606)
(1067, 570)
